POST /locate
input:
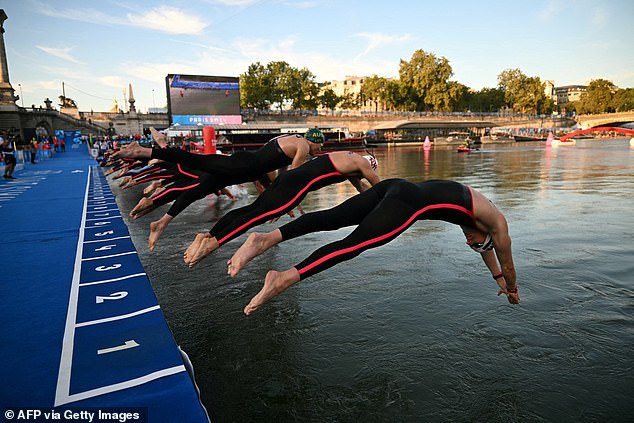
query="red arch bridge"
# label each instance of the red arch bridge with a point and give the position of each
(598, 129)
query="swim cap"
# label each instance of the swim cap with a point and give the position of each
(373, 162)
(486, 245)
(315, 135)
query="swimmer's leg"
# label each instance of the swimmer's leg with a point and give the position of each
(274, 284)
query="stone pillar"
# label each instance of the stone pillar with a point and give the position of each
(7, 96)
(132, 108)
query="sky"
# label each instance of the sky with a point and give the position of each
(95, 49)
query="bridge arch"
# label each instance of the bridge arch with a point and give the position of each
(46, 126)
(599, 129)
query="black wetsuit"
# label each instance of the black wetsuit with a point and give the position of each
(220, 171)
(381, 214)
(176, 180)
(244, 166)
(284, 194)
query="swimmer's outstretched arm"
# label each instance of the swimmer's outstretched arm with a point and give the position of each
(134, 151)
(494, 222)
(491, 262)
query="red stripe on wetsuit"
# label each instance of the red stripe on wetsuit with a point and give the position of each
(272, 213)
(383, 237)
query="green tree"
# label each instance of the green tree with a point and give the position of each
(510, 82)
(425, 82)
(329, 99)
(278, 84)
(568, 107)
(279, 76)
(624, 100)
(392, 95)
(524, 94)
(455, 97)
(301, 89)
(598, 97)
(373, 89)
(255, 87)
(349, 101)
(486, 100)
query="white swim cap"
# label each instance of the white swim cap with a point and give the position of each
(373, 162)
(486, 245)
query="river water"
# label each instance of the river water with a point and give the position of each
(413, 331)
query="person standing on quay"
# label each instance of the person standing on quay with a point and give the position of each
(6, 146)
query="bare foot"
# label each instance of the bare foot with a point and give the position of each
(157, 191)
(156, 229)
(191, 250)
(143, 207)
(127, 182)
(252, 247)
(152, 187)
(158, 138)
(274, 284)
(121, 173)
(207, 246)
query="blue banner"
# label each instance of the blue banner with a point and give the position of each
(72, 137)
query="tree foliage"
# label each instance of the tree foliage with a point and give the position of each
(329, 99)
(373, 89)
(524, 94)
(602, 96)
(423, 85)
(425, 80)
(279, 85)
(624, 100)
(598, 97)
(486, 100)
(255, 89)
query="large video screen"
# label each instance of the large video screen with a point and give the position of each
(194, 99)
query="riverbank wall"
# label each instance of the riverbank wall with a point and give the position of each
(364, 123)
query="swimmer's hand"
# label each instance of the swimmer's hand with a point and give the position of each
(513, 297)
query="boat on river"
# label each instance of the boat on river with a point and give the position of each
(458, 137)
(526, 138)
(466, 149)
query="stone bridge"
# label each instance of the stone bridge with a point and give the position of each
(28, 121)
(365, 122)
(605, 119)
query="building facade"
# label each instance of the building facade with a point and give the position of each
(569, 93)
(350, 87)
